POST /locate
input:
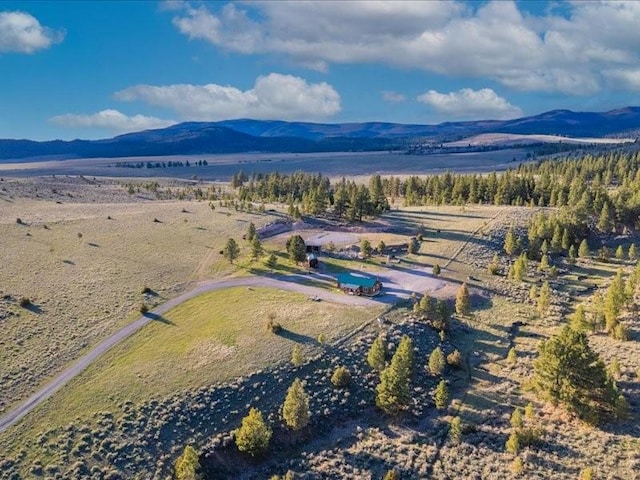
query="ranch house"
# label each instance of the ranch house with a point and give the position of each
(356, 284)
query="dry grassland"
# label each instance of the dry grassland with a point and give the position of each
(84, 265)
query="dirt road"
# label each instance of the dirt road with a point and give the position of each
(280, 282)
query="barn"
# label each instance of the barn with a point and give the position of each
(357, 284)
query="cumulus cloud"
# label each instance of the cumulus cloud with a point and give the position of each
(392, 97)
(467, 104)
(495, 40)
(273, 96)
(22, 33)
(112, 120)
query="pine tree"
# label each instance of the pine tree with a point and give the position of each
(296, 356)
(568, 371)
(544, 249)
(436, 270)
(632, 252)
(427, 306)
(455, 430)
(437, 361)
(392, 393)
(187, 466)
(365, 248)
(381, 247)
(529, 412)
(566, 240)
(251, 232)
(544, 299)
(583, 249)
(619, 253)
(376, 357)
(572, 254)
(296, 249)
(253, 435)
(510, 242)
(513, 443)
(441, 395)
(579, 319)
(516, 418)
(494, 266)
(231, 250)
(544, 263)
(605, 221)
(256, 248)
(295, 410)
(463, 302)
(271, 262)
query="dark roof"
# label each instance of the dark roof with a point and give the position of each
(357, 280)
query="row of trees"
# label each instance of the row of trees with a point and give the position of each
(313, 194)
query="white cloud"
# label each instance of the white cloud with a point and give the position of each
(283, 97)
(493, 40)
(22, 33)
(468, 104)
(624, 79)
(112, 120)
(392, 97)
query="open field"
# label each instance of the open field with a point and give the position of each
(84, 274)
(210, 339)
(222, 167)
(191, 375)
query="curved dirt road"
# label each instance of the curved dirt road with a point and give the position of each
(279, 282)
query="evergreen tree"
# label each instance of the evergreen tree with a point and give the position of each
(572, 254)
(632, 252)
(413, 247)
(376, 357)
(392, 393)
(187, 466)
(253, 435)
(272, 261)
(256, 248)
(516, 418)
(569, 372)
(605, 221)
(442, 316)
(251, 232)
(619, 253)
(295, 410)
(365, 248)
(441, 395)
(544, 299)
(296, 356)
(494, 266)
(437, 361)
(381, 247)
(427, 306)
(455, 430)
(510, 242)
(231, 250)
(544, 249)
(463, 302)
(544, 263)
(579, 319)
(296, 249)
(436, 270)
(583, 249)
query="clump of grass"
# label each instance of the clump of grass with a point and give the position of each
(273, 326)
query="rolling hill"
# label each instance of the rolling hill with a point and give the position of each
(246, 135)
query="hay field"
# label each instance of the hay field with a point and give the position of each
(84, 273)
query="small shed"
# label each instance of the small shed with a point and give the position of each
(356, 284)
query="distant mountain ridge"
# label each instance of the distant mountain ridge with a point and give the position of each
(246, 135)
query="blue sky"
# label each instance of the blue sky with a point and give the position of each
(95, 69)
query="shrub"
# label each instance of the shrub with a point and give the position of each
(436, 270)
(517, 466)
(341, 377)
(391, 475)
(144, 309)
(146, 291)
(586, 474)
(455, 430)
(494, 267)
(455, 359)
(25, 302)
(19, 221)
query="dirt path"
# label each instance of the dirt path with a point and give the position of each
(279, 282)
